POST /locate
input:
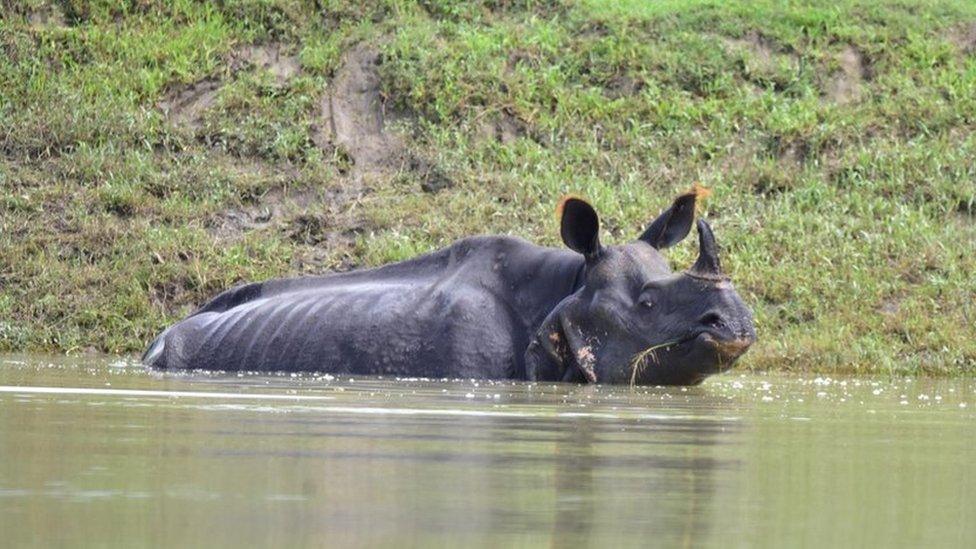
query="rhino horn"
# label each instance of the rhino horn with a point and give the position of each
(707, 265)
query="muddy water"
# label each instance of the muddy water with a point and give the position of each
(99, 451)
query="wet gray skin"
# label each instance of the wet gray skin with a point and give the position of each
(488, 307)
(634, 320)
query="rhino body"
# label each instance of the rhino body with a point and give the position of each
(488, 307)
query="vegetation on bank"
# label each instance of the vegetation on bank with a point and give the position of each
(155, 153)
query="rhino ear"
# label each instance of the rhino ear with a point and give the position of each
(579, 226)
(559, 351)
(674, 223)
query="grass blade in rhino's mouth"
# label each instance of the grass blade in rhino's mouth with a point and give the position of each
(638, 361)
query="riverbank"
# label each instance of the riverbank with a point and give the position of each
(153, 156)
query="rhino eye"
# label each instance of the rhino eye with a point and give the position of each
(646, 302)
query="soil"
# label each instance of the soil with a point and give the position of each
(503, 127)
(352, 117)
(623, 86)
(845, 86)
(761, 48)
(46, 16)
(353, 120)
(267, 57)
(964, 38)
(185, 106)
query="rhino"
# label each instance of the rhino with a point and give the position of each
(489, 307)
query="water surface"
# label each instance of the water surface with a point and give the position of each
(100, 451)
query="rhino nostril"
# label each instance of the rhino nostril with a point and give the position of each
(712, 320)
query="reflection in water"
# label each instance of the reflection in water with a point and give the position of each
(574, 510)
(125, 457)
(659, 484)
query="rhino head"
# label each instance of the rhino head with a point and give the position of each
(635, 321)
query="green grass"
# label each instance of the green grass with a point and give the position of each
(847, 221)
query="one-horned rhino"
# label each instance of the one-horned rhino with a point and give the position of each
(490, 307)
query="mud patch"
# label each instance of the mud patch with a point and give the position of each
(432, 179)
(267, 57)
(321, 219)
(621, 86)
(761, 48)
(765, 167)
(309, 228)
(315, 228)
(742, 155)
(765, 53)
(765, 63)
(266, 191)
(503, 127)
(964, 38)
(352, 116)
(845, 86)
(184, 106)
(323, 224)
(46, 17)
(522, 57)
(353, 120)
(794, 151)
(890, 306)
(586, 361)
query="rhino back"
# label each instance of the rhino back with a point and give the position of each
(440, 315)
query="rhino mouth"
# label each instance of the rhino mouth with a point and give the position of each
(703, 352)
